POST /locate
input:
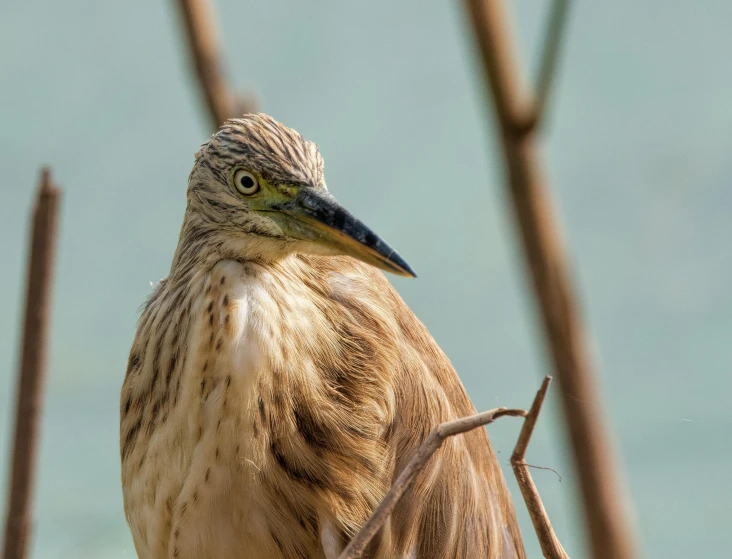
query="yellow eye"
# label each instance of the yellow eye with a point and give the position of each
(245, 182)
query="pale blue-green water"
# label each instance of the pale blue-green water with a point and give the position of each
(638, 155)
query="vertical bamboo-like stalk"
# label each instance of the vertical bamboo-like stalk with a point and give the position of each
(609, 531)
(220, 99)
(32, 369)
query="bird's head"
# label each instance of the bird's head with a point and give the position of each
(260, 185)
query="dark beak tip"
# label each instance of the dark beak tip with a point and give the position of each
(405, 268)
(410, 273)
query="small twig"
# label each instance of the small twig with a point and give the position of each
(546, 469)
(433, 441)
(221, 101)
(549, 58)
(32, 368)
(550, 546)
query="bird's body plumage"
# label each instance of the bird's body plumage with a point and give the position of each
(272, 397)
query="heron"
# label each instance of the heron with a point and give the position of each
(277, 383)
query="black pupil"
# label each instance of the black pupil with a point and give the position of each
(247, 182)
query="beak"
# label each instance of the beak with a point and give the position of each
(315, 216)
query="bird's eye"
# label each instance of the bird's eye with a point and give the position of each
(245, 182)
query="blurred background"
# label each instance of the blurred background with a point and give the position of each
(638, 149)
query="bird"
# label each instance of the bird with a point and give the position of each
(277, 383)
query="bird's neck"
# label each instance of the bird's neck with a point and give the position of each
(199, 248)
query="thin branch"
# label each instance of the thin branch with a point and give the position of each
(433, 441)
(550, 546)
(220, 99)
(32, 371)
(610, 533)
(514, 108)
(550, 57)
